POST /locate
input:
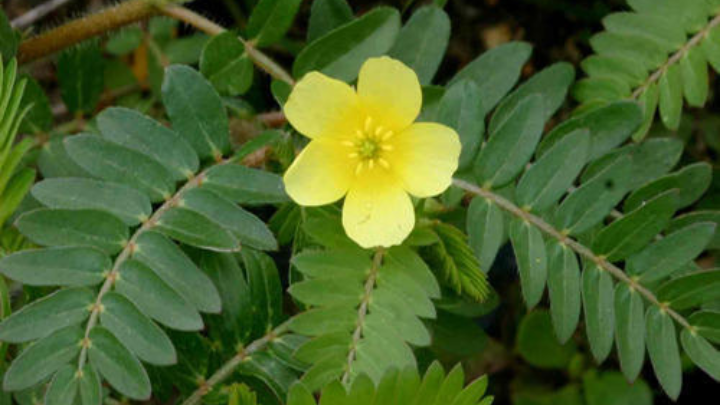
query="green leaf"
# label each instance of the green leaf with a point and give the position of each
(326, 15)
(61, 227)
(629, 330)
(125, 41)
(138, 333)
(156, 298)
(196, 111)
(648, 100)
(461, 109)
(195, 229)
(588, 205)
(692, 16)
(39, 117)
(564, 287)
(43, 358)
(663, 351)
(63, 387)
(40, 318)
(17, 189)
(609, 127)
(339, 290)
(89, 386)
(711, 47)
(655, 28)
(707, 324)
(623, 68)
(422, 41)
(244, 185)
(694, 73)
(511, 146)
(126, 203)
(117, 365)
(691, 290)
(143, 134)
(551, 83)
(537, 345)
(695, 217)
(80, 75)
(671, 102)
(169, 263)
(54, 161)
(631, 233)
(599, 90)
(270, 20)
(341, 52)
(691, 183)
(8, 38)
(553, 174)
(598, 296)
(645, 52)
(531, 257)
(453, 257)
(71, 266)
(453, 334)
(110, 161)
(701, 353)
(405, 260)
(227, 66)
(669, 254)
(496, 71)
(265, 290)
(246, 227)
(486, 231)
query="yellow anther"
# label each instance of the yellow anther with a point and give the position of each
(384, 163)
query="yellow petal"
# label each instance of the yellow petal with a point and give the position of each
(425, 157)
(377, 211)
(321, 174)
(320, 106)
(389, 92)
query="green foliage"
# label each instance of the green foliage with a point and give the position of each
(656, 55)
(146, 277)
(401, 387)
(104, 230)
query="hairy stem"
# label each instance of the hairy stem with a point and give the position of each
(362, 312)
(694, 41)
(228, 368)
(88, 27)
(261, 60)
(580, 249)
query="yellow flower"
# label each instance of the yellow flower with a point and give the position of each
(365, 146)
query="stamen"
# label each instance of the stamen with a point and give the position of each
(379, 130)
(353, 155)
(348, 143)
(371, 163)
(387, 147)
(360, 133)
(388, 135)
(384, 163)
(359, 169)
(368, 123)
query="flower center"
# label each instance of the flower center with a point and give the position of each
(370, 146)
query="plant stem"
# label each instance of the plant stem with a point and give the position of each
(362, 312)
(87, 27)
(261, 60)
(127, 252)
(694, 41)
(574, 245)
(228, 368)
